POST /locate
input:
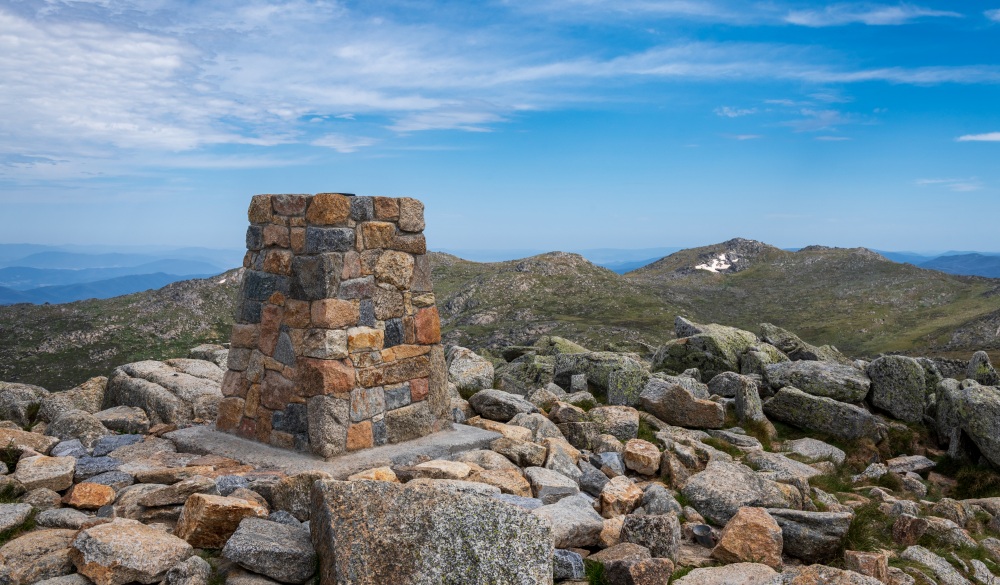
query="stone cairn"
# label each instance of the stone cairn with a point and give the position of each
(336, 345)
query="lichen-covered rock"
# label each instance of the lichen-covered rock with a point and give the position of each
(783, 468)
(661, 534)
(974, 410)
(813, 450)
(674, 404)
(35, 556)
(625, 385)
(735, 574)
(723, 488)
(942, 569)
(574, 522)
(796, 349)
(177, 391)
(597, 366)
(525, 374)
(284, 553)
(499, 405)
(469, 371)
(18, 401)
(812, 536)
(713, 349)
(751, 535)
(86, 397)
(981, 370)
(378, 532)
(827, 379)
(208, 521)
(816, 413)
(898, 387)
(124, 551)
(823, 575)
(758, 357)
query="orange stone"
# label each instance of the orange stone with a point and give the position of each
(277, 392)
(297, 239)
(318, 376)
(328, 209)
(352, 265)
(395, 372)
(365, 339)
(410, 243)
(276, 235)
(208, 521)
(419, 389)
(248, 259)
(89, 496)
(230, 413)
(377, 234)
(278, 262)
(401, 352)
(277, 298)
(260, 209)
(263, 425)
(252, 401)
(270, 328)
(428, 326)
(386, 208)
(235, 384)
(244, 336)
(297, 314)
(335, 313)
(359, 436)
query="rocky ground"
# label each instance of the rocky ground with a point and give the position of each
(725, 457)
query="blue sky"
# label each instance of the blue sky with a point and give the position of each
(541, 124)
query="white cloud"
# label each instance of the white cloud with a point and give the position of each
(728, 112)
(865, 13)
(956, 185)
(832, 138)
(818, 120)
(987, 137)
(343, 143)
(743, 136)
(993, 15)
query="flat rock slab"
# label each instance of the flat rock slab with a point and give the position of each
(205, 439)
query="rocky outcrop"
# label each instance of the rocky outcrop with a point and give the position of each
(712, 349)
(674, 404)
(898, 387)
(796, 349)
(816, 413)
(175, 391)
(826, 379)
(722, 489)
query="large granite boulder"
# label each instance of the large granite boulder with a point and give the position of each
(981, 370)
(816, 413)
(86, 397)
(176, 391)
(36, 556)
(751, 535)
(712, 349)
(723, 488)
(676, 405)
(369, 532)
(812, 536)
(469, 371)
(525, 374)
(974, 411)
(574, 522)
(279, 551)
(18, 402)
(828, 379)
(598, 367)
(796, 349)
(499, 405)
(125, 551)
(77, 424)
(898, 387)
(735, 574)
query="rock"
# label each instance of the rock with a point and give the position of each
(89, 496)
(174, 392)
(490, 460)
(812, 536)
(621, 422)
(208, 521)
(735, 574)
(293, 494)
(71, 448)
(611, 464)
(981, 370)
(62, 518)
(77, 424)
(284, 553)
(524, 374)
(527, 504)
(813, 450)
(574, 522)
(42, 499)
(823, 575)
(910, 463)
(74, 579)
(580, 399)
(499, 405)
(597, 366)
(723, 488)
(109, 443)
(19, 401)
(816, 413)
(179, 492)
(620, 496)
(784, 469)
(942, 569)
(194, 571)
(509, 481)
(675, 405)
(562, 457)
(124, 419)
(871, 564)
(796, 349)
(88, 467)
(55, 473)
(656, 499)
(468, 371)
(582, 435)
(592, 480)
(715, 349)
(981, 573)
(35, 556)
(642, 457)
(554, 345)
(611, 534)
(975, 410)
(625, 385)
(442, 469)
(661, 534)
(240, 576)
(13, 516)
(26, 441)
(823, 379)
(608, 444)
(509, 431)
(759, 357)
(751, 535)
(123, 551)
(564, 412)
(898, 387)
(378, 532)
(521, 453)
(640, 572)
(727, 384)
(86, 397)
(550, 486)
(567, 564)
(541, 428)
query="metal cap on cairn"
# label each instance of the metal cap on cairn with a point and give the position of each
(336, 345)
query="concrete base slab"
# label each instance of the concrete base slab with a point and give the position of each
(204, 439)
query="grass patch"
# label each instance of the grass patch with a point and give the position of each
(890, 481)
(9, 456)
(683, 500)
(680, 573)
(586, 405)
(761, 431)
(647, 432)
(723, 446)
(831, 483)
(594, 572)
(870, 529)
(974, 481)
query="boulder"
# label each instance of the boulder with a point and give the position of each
(816, 413)
(541, 428)
(826, 379)
(812, 536)
(469, 371)
(499, 405)
(727, 384)
(676, 405)
(509, 481)
(124, 551)
(751, 535)
(723, 488)
(194, 571)
(814, 450)
(871, 564)
(972, 410)
(26, 441)
(77, 424)
(942, 569)
(521, 453)
(597, 366)
(573, 520)
(54, 473)
(62, 518)
(796, 349)
(282, 552)
(658, 500)
(784, 468)
(524, 375)
(379, 532)
(758, 357)
(293, 494)
(816, 574)
(592, 480)
(13, 516)
(898, 387)
(661, 534)
(550, 486)
(555, 345)
(619, 496)
(35, 556)
(485, 459)
(713, 349)
(124, 419)
(562, 457)
(981, 370)
(109, 443)
(179, 492)
(89, 496)
(567, 565)
(208, 521)
(642, 457)
(86, 397)
(735, 574)
(173, 392)
(18, 402)
(625, 385)
(621, 422)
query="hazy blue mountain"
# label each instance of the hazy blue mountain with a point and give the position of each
(25, 278)
(10, 252)
(102, 289)
(967, 264)
(74, 260)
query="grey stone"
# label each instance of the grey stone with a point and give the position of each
(172, 394)
(519, 501)
(18, 400)
(499, 405)
(255, 237)
(817, 413)
(468, 371)
(283, 351)
(578, 383)
(367, 313)
(328, 419)
(914, 463)
(574, 522)
(970, 411)
(87, 467)
(675, 405)
(898, 387)
(394, 333)
(660, 533)
(813, 450)
(70, 448)
(86, 397)
(124, 419)
(320, 240)
(610, 463)
(194, 571)
(582, 435)
(813, 537)
(525, 374)
(723, 488)
(106, 445)
(550, 486)
(294, 419)
(579, 398)
(397, 396)
(259, 286)
(784, 469)
(317, 277)
(622, 422)
(981, 370)
(715, 349)
(592, 480)
(283, 517)
(42, 499)
(541, 427)
(13, 515)
(567, 564)
(77, 424)
(625, 385)
(658, 500)
(597, 366)
(796, 349)
(749, 408)
(409, 422)
(366, 403)
(178, 493)
(735, 574)
(68, 518)
(826, 379)
(725, 384)
(377, 532)
(117, 480)
(357, 288)
(282, 552)
(942, 569)
(362, 208)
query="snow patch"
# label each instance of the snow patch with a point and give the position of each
(716, 265)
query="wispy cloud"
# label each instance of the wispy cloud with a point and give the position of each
(956, 185)
(728, 112)
(743, 136)
(344, 143)
(832, 138)
(865, 13)
(987, 137)
(993, 15)
(812, 120)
